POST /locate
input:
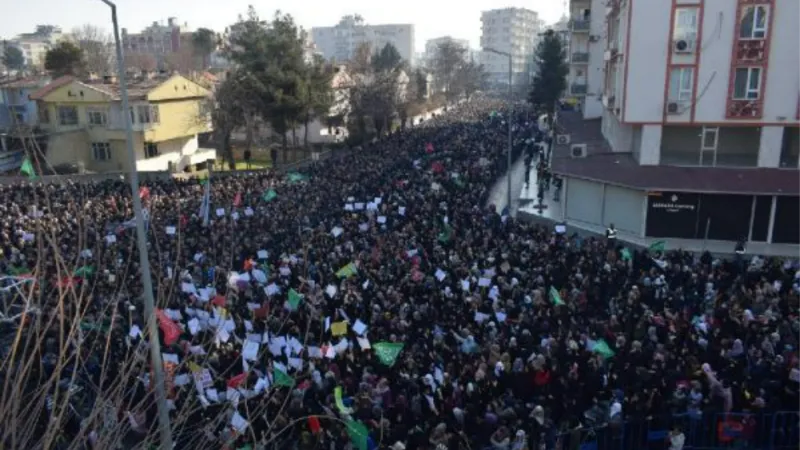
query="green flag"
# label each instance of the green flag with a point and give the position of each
(347, 271)
(17, 271)
(358, 434)
(27, 169)
(294, 299)
(90, 326)
(555, 296)
(337, 393)
(388, 352)
(85, 271)
(270, 195)
(602, 348)
(281, 378)
(626, 254)
(658, 246)
(295, 177)
(446, 234)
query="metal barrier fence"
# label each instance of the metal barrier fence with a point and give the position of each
(768, 431)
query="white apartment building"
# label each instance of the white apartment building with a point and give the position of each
(514, 31)
(703, 82)
(34, 46)
(340, 41)
(586, 28)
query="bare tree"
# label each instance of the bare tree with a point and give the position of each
(140, 61)
(448, 59)
(97, 47)
(183, 60)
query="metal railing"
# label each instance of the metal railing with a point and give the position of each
(577, 89)
(579, 58)
(579, 25)
(765, 431)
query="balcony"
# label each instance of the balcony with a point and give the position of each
(577, 89)
(579, 58)
(579, 26)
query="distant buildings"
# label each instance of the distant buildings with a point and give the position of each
(340, 41)
(158, 46)
(34, 46)
(514, 31)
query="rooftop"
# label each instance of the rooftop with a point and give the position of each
(603, 165)
(23, 83)
(138, 88)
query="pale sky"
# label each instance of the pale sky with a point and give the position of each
(431, 18)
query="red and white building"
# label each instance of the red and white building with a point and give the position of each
(699, 135)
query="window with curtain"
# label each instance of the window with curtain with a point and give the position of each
(685, 26)
(680, 84)
(747, 83)
(754, 22)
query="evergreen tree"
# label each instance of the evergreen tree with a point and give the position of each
(65, 58)
(551, 76)
(13, 57)
(388, 58)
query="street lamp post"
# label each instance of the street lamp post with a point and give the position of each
(511, 114)
(141, 241)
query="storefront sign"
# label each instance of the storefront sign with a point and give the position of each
(672, 214)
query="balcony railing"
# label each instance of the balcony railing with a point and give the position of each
(577, 89)
(579, 58)
(579, 25)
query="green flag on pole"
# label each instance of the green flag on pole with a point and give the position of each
(358, 434)
(84, 271)
(446, 234)
(388, 352)
(347, 271)
(657, 246)
(27, 169)
(294, 299)
(270, 195)
(556, 297)
(295, 177)
(602, 348)
(281, 378)
(626, 254)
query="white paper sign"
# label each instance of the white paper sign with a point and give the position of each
(359, 327)
(263, 254)
(248, 211)
(440, 274)
(171, 230)
(220, 212)
(381, 219)
(110, 239)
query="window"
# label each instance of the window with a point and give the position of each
(147, 114)
(747, 83)
(143, 113)
(96, 116)
(680, 84)
(150, 149)
(67, 115)
(44, 114)
(754, 22)
(685, 27)
(101, 151)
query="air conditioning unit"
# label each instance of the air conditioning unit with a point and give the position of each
(673, 108)
(562, 139)
(683, 46)
(608, 101)
(577, 151)
(594, 38)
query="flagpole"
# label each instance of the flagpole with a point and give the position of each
(141, 241)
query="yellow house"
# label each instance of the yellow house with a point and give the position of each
(85, 125)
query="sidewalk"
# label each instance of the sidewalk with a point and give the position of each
(497, 195)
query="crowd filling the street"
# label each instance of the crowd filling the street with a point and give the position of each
(374, 300)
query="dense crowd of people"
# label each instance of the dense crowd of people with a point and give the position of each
(371, 301)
